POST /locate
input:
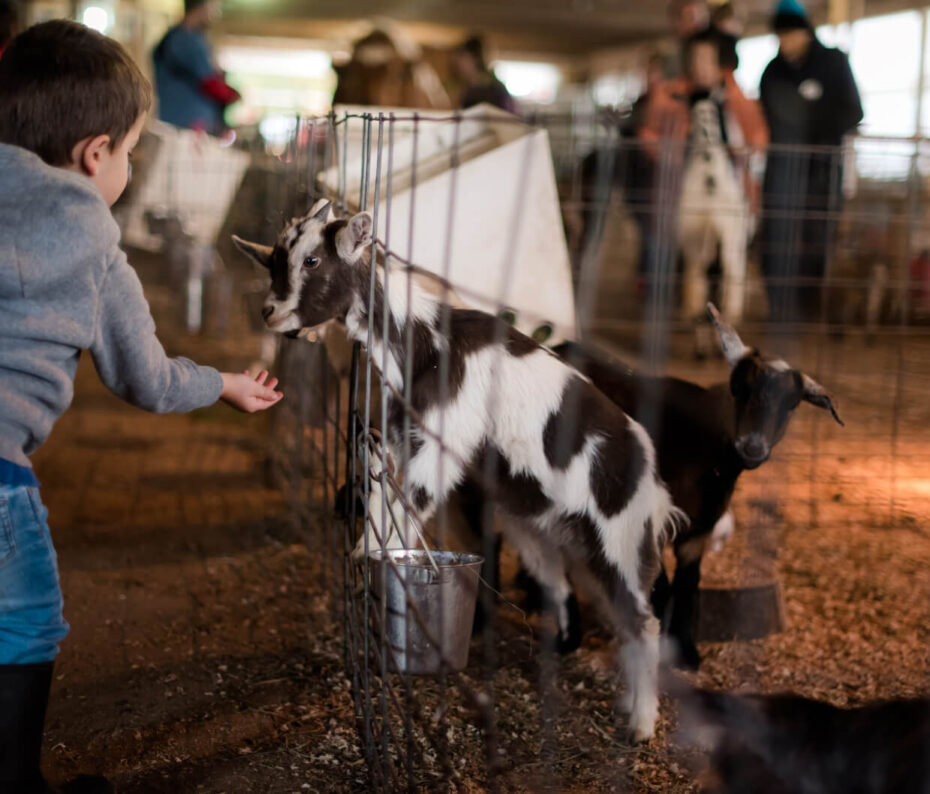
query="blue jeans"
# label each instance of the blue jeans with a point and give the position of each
(31, 621)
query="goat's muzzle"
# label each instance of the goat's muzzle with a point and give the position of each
(753, 449)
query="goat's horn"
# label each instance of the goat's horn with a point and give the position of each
(733, 347)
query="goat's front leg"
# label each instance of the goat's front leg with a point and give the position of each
(683, 622)
(734, 235)
(382, 504)
(698, 246)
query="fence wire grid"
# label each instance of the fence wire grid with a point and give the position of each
(609, 266)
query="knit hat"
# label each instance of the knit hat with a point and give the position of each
(790, 15)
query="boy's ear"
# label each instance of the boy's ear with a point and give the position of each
(352, 239)
(87, 153)
(261, 254)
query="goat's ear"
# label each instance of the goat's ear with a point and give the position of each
(733, 347)
(257, 253)
(322, 210)
(352, 239)
(817, 395)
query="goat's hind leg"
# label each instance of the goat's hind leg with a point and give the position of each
(546, 564)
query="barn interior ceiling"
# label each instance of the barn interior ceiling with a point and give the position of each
(568, 28)
(559, 27)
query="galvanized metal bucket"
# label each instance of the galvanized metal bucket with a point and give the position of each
(428, 607)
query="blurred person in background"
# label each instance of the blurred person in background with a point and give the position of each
(388, 69)
(729, 27)
(638, 172)
(479, 82)
(700, 129)
(685, 18)
(192, 91)
(810, 99)
(633, 172)
(9, 22)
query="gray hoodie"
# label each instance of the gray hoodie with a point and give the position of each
(65, 286)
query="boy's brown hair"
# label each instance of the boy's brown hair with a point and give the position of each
(61, 82)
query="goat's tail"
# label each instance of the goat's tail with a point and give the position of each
(667, 519)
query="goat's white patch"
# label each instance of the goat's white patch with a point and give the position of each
(387, 364)
(299, 245)
(778, 365)
(723, 531)
(573, 483)
(418, 305)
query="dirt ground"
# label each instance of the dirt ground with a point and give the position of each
(206, 652)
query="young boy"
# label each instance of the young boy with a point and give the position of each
(72, 105)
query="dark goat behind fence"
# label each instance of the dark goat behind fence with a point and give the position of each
(788, 744)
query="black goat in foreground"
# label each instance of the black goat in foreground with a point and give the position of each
(787, 744)
(705, 437)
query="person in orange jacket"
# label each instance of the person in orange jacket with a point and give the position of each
(701, 131)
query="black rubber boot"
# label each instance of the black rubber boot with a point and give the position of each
(23, 698)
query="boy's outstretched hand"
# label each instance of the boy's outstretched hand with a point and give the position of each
(248, 394)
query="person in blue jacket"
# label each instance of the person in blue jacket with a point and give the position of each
(811, 102)
(192, 92)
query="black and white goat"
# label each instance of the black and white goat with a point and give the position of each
(576, 473)
(705, 438)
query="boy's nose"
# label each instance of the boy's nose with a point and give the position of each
(267, 311)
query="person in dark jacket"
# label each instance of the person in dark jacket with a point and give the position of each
(192, 92)
(480, 84)
(810, 100)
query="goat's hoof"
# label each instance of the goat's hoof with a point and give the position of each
(569, 644)
(642, 729)
(688, 657)
(569, 639)
(640, 737)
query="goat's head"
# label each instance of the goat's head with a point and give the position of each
(312, 267)
(765, 393)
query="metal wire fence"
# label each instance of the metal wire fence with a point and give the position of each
(570, 229)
